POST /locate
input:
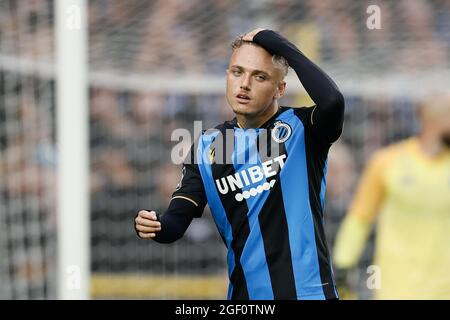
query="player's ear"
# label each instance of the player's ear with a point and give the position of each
(281, 89)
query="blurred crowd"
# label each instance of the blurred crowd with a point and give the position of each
(174, 36)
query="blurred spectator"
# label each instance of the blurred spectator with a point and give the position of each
(405, 188)
(164, 43)
(429, 50)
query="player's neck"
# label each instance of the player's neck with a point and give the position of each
(430, 144)
(245, 121)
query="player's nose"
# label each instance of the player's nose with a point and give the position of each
(246, 83)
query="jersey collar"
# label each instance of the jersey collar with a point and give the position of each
(234, 124)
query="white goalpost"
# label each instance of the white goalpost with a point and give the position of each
(73, 157)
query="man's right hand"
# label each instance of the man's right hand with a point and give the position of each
(250, 35)
(146, 224)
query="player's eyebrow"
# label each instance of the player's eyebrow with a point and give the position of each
(253, 71)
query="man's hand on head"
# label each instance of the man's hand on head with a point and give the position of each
(249, 36)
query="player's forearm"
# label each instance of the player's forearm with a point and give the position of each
(320, 87)
(175, 221)
(350, 241)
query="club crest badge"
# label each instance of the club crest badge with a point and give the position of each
(281, 132)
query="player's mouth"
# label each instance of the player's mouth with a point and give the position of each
(243, 98)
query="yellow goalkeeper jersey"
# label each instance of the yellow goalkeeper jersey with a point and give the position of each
(409, 193)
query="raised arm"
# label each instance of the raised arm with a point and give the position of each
(328, 114)
(355, 228)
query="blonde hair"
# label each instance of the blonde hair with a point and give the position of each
(278, 61)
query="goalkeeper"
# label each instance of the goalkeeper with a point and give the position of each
(269, 212)
(406, 189)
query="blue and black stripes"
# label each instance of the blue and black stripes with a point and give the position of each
(271, 221)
